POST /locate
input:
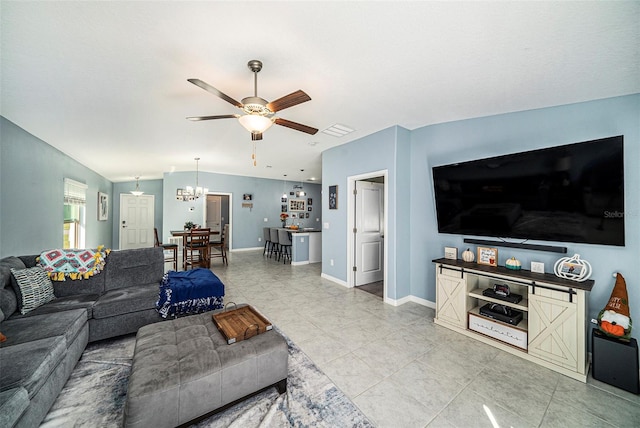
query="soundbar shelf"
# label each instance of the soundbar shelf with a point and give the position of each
(523, 305)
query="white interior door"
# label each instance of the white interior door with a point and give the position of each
(369, 232)
(214, 213)
(136, 221)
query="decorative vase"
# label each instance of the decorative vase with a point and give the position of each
(468, 256)
(284, 223)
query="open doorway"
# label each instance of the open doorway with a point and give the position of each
(367, 216)
(217, 213)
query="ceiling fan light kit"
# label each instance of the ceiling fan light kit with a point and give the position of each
(260, 114)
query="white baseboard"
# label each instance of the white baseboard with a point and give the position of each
(237, 250)
(334, 279)
(304, 262)
(414, 299)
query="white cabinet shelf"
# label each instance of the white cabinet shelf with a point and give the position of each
(554, 327)
(522, 305)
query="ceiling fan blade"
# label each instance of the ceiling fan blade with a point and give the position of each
(222, 116)
(296, 126)
(294, 98)
(215, 92)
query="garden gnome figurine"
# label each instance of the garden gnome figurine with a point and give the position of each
(614, 320)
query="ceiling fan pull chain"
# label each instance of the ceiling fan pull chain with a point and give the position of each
(253, 155)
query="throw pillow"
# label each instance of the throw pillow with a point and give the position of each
(35, 288)
(2, 337)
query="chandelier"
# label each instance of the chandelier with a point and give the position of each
(192, 193)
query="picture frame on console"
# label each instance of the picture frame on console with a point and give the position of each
(487, 256)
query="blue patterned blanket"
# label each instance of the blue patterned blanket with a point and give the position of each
(189, 292)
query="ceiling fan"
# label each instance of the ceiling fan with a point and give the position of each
(260, 114)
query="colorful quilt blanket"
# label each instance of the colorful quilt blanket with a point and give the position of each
(189, 292)
(73, 263)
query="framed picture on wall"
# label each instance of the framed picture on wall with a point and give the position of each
(333, 197)
(103, 206)
(297, 205)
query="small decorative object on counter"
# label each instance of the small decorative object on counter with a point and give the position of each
(573, 268)
(513, 264)
(468, 256)
(283, 218)
(615, 320)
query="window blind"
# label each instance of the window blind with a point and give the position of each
(75, 193)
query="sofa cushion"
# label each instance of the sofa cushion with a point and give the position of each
(8, 301)
(79, 301)
(66, 324)
(127, 268)
(34, 288)
(6, 264)
(13, 403)
(29, 364)
(126, 300)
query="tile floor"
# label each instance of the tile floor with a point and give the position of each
(401, 370)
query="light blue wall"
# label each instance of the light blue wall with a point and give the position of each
(246, 223)
(508, 133)
(380, 151)
(149, 187)
(411, 248)
(31, 194)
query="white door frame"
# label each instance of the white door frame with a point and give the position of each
(204, 214)
(351, 184)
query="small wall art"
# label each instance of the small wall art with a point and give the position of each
(333, 197)
(103, 206)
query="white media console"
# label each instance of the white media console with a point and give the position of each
(553, 331)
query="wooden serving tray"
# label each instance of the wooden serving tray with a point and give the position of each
(241, 323)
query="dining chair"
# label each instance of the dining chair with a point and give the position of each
(196, 248)
(222, 246)
(173, 257)
(284, 239)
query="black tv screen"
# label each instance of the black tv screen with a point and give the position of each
(570, 193)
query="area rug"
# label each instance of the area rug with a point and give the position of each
(95, 394)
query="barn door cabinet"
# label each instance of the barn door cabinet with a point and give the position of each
(553, 329)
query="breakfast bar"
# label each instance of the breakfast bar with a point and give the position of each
(306, 246)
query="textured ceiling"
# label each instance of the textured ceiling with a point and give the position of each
(106, 82)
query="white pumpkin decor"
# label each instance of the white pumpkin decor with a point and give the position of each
(573, 268)
(513, 264)
(468, 256)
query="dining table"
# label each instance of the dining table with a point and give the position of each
(183, 234)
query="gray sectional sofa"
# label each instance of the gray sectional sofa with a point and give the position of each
(44, 345)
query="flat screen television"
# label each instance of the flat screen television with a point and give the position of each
(570, 193)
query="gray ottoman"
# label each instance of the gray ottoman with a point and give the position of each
(184, 369)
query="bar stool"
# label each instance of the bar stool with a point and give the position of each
(275, 243)
(266, 235)
(284, 238)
